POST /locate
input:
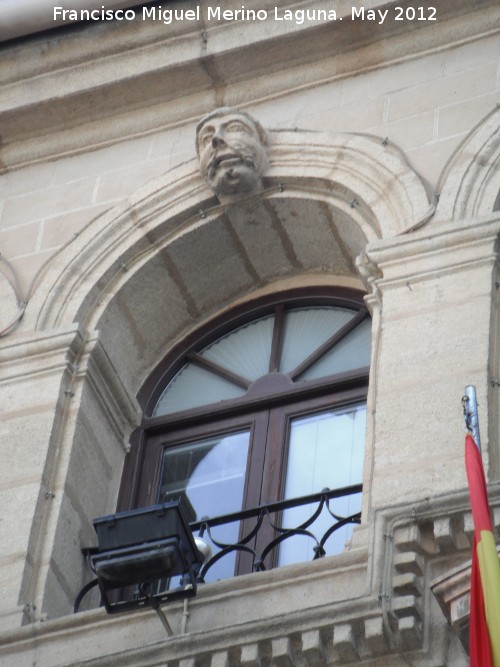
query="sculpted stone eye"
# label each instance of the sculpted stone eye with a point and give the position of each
(206, 138)
(236, 127)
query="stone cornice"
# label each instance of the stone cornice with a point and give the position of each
(25, 356)
(80, 356)
(429, 252)
(59, 89)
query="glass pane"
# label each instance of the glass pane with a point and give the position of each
(211, 475)
(245, 351)
(352, 352)
(306, 329)
(194, 386)
(325, 451)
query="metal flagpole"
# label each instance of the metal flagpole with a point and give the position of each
(470, 413)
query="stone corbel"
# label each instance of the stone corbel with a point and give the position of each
(452, 591)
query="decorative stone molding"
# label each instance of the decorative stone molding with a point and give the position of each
(11, 310)
(231, 149)
(452, 591)
(391, 619)
(446, 531)
(122, 410)
(392, 262)
(353, 188)
(73, 354)
(46, 381)
(367, 183)
(44, 108)
(32, 354)
(472, 185)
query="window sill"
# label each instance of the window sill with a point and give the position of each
(238, 612)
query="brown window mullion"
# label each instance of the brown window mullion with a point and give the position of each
(277, 342)
(272, 478)
(215, 368)
(252, 495)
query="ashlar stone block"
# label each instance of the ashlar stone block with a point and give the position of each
(282, 652)
(251, 656)
(188, 662)
(407, 584)
(409, 561)
(415, 537)
(376, 635)
(34, 206)
(313, 648)
(345, 642)
(449, 534)
(220, 660)
(410, 629)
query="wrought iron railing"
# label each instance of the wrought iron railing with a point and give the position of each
(269, 518)
(261, 532)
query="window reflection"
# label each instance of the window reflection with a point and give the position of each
(210, 474)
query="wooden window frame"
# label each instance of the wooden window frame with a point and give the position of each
(279, 397)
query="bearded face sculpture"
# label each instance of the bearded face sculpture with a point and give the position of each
(231, 148)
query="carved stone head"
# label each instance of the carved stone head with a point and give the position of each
(231, 147)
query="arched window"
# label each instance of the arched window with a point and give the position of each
(268, 404)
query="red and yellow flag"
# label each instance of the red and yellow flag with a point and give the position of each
(484, 638)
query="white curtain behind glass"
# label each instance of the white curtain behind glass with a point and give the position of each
(308, 328)
(246, 352)
(352, 352)
(325, 451)
(194, 386)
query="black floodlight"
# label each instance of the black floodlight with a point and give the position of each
(146, 556)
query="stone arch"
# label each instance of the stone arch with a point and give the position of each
(361, 177)
(139, 277)
(472, 186)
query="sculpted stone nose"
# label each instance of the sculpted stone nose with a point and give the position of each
(217, 141)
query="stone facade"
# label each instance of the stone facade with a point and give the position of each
(383, 149)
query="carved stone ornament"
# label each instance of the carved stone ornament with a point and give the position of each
(11, 311)
(231, 147)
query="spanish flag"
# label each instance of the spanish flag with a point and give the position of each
(484, 637)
